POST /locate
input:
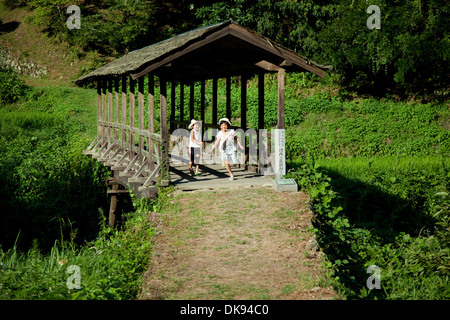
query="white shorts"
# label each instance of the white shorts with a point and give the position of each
(231, 158)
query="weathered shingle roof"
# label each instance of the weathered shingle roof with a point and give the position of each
(198, 47)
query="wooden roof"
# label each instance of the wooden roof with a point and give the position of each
(220, 50)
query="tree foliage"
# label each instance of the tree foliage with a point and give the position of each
(407, 56)
(409, 52)
(114, 27)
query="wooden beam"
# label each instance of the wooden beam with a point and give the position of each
(286, 63)
(280, 113)
(117, 192)
(266, 65)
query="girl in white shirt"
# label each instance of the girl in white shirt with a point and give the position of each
(226, 140)
(195, 143)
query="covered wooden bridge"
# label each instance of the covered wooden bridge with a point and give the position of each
(132, 143)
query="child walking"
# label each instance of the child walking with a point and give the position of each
(195, 143)
(226, 140)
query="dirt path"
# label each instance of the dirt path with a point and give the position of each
(248, 243)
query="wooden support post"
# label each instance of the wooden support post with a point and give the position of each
(163, 125)
(261, 101)
(151, 117)
(151, 103)
(228, 98)
(214, 101)
(260, 116)
(202, 100)
(191, 102)
(172, 105)
(202, 105)
(124, 110)
(116, 107)
(132, 112)
(141, 111)
(244, 101)
(104, 135)
(181, 102)
(112, 209)
(244, 117)
(280, 124)
(113, 204)
(99, 108)
(110, 109)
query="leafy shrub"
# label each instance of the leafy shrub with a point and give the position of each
(11, 87)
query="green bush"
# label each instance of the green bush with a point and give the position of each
(12, 88)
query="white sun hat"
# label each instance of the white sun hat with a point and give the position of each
(224, 120)
(193, 121)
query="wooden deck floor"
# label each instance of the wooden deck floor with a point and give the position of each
(215, 177)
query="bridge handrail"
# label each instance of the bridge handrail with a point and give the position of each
(144, 133)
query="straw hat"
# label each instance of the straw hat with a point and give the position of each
(193, 121)
(224, 120)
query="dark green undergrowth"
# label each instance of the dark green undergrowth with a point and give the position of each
(110, 267)
(396, 218)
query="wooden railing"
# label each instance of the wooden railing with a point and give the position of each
(138, 164)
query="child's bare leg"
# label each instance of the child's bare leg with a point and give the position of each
(229, 169)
